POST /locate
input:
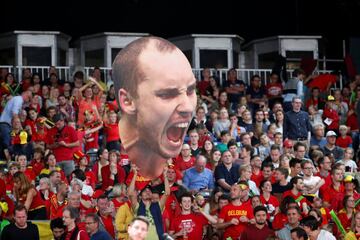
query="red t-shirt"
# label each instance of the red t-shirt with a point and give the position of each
(37, 166)
(39, 137)
(68, 135)
(271, 203)
(274, 89)
(334, 116)
(29, 173)
(327, 183)
(108, 224)
(31, 124)
(345, 221)
(202, 86)
(112, 132)
(192, 223)
(344, 142)
(182, 165)
(231, 211)
(334, 197)
(257, 178)
(91, 139)
(280, 220)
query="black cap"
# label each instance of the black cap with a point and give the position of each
(147, 187)
(58, 117)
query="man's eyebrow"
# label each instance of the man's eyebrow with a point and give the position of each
(173, 91)
(170, 91)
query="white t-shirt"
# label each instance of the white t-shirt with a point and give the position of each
(311, 182)
(325, 235)
(351, 164)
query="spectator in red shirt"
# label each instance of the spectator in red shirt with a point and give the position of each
(330, 115)
(91, 129)
(103, 160)
(37, 163)
(235, 216)
(111, 132)
(346, 214)
(188, 225)
(70, 217)
(334, 194)
(259, 230)
(61, 140)
(105, 211)
(184, 161)
(256, 175)
(28, 171)
(324, 165)
(296, 192)
(344, 140)
(26, 194)
(274, 89)
(58, 201)
(269, 201)
(113, 173)
(205, 82)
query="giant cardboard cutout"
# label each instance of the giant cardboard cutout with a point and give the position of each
(156, 93)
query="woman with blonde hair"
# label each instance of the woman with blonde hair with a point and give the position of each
(26, 194)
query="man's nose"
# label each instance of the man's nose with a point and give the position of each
(186, 105)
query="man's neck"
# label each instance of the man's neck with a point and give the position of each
(330, 146)
(296, 111)
(336, 185)
(294, 225)
(283, 182)
(60, 198)
(314, 234)
(307, 176)
(266, 195)
(324, 173)
(228, 165)
(152, 163)
(21, 227)
(185, 212)
(295, 191)
(236, 202)
(71, 227)
(194, 146)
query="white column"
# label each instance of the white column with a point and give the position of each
(54, 52)
(230, 58)
(196, 52)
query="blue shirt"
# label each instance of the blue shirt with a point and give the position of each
(321, 143)
(193, 180)
(101, 235)
(296, 125)
(13, 106)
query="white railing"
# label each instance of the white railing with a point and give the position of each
(246, 74)
(43, 71)
(243, 74)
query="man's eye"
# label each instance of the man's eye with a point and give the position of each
(190, 90)
(166, 95)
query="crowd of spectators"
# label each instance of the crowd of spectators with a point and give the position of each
(272, 161)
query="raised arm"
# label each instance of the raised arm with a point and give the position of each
(131, 190)
(167, 190)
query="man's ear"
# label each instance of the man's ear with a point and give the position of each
(126, 102)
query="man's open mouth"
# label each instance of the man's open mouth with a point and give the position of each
(176, 132)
